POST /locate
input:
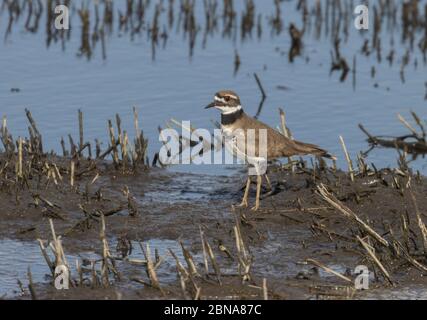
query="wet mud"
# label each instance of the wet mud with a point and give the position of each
(290, 241)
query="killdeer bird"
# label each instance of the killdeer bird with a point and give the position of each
(235, 123)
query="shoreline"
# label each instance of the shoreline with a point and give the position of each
(313, 229)
(294, 227)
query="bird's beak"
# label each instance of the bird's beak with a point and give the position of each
(211, 105)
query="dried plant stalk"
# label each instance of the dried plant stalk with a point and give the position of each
(328, 270)
(371, 253)
(347, 157)
(420, 222)
(150, 268)
(350, 214)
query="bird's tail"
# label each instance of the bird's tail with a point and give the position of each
(306, 148)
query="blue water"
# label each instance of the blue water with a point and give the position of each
(55, 83)
(28, 254)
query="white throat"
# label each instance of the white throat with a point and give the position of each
(229, 110)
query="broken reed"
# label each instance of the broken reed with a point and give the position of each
(190, 278)
(87, 277)
(384, 247)
(348, 159)
(414, 143)
(29, 159)
(379, 246)
(25, 169)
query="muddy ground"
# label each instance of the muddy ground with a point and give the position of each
(294, 224)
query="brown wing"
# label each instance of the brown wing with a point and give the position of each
(278, 145)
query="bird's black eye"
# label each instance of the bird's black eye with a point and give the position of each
(227, 98)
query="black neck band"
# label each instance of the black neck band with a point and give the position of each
(230, 118)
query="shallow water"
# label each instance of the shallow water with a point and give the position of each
(22, 255)
(15, 258)
(55, 83)
(27, 254)
(407, 293)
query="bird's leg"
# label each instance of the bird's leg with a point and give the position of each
(269, 186)
(245, 196)
(268, 182)
(258, 192)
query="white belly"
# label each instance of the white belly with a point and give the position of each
(235, 143)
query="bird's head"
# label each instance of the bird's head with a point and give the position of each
(226, 101)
